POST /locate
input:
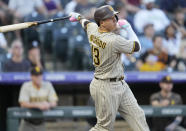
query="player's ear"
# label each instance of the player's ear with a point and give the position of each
(101, 22)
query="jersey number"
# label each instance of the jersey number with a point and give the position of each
(95, 55)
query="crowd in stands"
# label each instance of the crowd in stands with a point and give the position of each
(159, 24)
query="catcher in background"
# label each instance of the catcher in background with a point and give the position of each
(108, 89)
(36, 94)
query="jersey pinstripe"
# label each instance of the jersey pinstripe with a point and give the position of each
(106, 52)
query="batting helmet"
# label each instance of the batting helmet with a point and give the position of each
(104, 12)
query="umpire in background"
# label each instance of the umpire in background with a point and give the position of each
(37, 94)
(165, 97)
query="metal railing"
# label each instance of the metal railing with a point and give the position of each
(16, 113)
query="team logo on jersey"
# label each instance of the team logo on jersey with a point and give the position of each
(110, 8)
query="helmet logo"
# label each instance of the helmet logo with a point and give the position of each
(110, 8)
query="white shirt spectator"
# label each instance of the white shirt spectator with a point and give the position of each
(172, 46)
(3, 42)
(25, 7)
(154, 16)
(70, 7)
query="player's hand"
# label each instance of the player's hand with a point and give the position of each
(74, 16)
(44, 106)
(124, 24)
(165, 102)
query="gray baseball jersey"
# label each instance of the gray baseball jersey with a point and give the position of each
(29, 93)
(106, 52)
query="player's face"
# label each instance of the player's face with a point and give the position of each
(167, 87)
(37, 79)
(110, 23)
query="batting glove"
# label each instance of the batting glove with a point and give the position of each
(124, 24)
(74, 17)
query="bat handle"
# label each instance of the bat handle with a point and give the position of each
(52, 20)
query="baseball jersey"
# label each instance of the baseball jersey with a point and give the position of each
(106, 51)
(160, 123)
(29, 93)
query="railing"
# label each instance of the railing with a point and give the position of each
(16, 113)
(86, 77)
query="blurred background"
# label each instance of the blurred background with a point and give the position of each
(62, 50)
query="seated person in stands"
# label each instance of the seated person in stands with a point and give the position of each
(165, 97)
(155, 59)
(34, 55)
(146, 39)
(181, 57)
(16, 63)
(53, 6)
(37, 94)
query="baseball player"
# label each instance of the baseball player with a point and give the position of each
(36, 94)
(108, 89)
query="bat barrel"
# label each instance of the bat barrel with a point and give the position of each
(17, 26)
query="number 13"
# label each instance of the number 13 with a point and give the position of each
(96, 55)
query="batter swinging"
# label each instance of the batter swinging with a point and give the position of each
(108, 89)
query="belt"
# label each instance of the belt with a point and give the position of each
(35, 121)
(111, 79)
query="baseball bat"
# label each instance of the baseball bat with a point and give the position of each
(25, 25)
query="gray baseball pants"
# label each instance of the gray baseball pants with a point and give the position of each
(26, 126)
(113, 97)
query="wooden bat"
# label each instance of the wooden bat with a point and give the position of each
(25, 25)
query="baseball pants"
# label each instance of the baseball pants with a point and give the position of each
(113, 97)
(26, 126)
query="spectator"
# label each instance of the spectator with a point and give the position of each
(180, 21)
(146, 39)
(129, 4)
(34, 55)
(53, 6)
(171, 43)
(23, 8)
(3, 42)
(181, 57)
(16, 63)
(37, 94)
(154, 59)
(150, 15)
(70, 7)
(108, 2)
(132, 6)
(85, 8)
(165, 97)
(170, 7)
(6, 15)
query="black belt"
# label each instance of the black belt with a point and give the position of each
(111, 79)
(35, 121)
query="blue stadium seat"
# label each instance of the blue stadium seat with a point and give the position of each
(35, 16)
(60, 44)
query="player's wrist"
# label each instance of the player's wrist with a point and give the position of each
(75, 17)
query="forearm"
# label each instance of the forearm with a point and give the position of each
(29, 105)
(53, 104)
(124, 24)
(132, 35)
(178, 120)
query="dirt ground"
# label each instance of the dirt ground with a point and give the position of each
(81, 125)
